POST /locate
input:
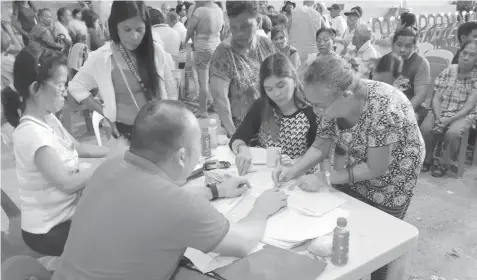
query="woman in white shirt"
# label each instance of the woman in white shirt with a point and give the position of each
(49, 175)
(129, 71)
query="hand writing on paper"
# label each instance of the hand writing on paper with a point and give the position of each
(233, 186)
(313, 182)
(243, 160)
(270, 201)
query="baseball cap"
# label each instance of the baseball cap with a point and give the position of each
(334, 7)
(355, 11)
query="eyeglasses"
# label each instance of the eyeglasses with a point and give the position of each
(320, 107)
(59, 90)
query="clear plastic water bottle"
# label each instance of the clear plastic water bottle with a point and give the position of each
(340, 251)
(205, 139)
(213, 133)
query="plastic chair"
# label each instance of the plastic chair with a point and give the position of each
(438, 60)
(441, 53)
(452, 49)
(96, 120)
(423, 48)
(24, 268)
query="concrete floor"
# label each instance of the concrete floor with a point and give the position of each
(444, 210)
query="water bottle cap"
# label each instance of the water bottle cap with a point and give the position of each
(213, 122)
(342, 222)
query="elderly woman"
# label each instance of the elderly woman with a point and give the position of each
(453, 109)
(379, 148)
(234, 79)
(42, 33)
(325, 40)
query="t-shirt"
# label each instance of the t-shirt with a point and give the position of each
(415, 72)
(169, 36)
(43, 205)
(339, 24)
(210, 20)
(242, 71)
(133, 223)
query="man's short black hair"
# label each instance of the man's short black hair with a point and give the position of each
(405, 32)
(235, 8)
(161, 127)
(156, 16)
(465, 29)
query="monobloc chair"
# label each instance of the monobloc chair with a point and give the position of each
(452, 49)
(447, 55)
(424, 47)
(24, 268)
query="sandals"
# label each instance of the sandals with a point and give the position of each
(440, 171)
(426, 167)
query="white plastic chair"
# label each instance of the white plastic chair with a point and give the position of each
(424, 48)
(96, 119)
(24, 267)
(445, 54)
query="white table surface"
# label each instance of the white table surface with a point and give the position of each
(376, 238)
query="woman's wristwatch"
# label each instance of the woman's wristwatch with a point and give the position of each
(213, 190)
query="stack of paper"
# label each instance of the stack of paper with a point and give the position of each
(211, 261)
(313, 204)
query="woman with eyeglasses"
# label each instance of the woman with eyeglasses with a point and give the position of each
(379, 150)
(279, 118)
(50, 177)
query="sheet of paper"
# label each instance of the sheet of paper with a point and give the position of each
(225, 205)
(291, 226)
(259, 155)
(210, 262)
(313, 204)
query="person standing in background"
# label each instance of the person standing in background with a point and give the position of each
(204, 27)
(91, 20)
(24, 18)
(234, 81)
(337, 22)
(352, 21)
(304, 24)
(321, 9)
(60, 27)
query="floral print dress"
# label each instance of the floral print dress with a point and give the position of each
(387, 120)
(242, 71)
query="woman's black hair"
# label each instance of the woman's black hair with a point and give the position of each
(61, 12)
(180, 8)
(329, 30)
(75, 12)
(89, 18)
(389, 63)
(235, 8)
(42, 11)
(27, 69)
(145, 52)
(408, 19)
(276, 30)
(406, 32)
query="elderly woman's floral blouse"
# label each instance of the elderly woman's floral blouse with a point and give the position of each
(242, 71)
(387, 120)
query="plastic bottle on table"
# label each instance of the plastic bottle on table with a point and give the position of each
(213, 133)
(205, 139)
(339, 253)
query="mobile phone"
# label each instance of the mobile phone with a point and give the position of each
(212, 165)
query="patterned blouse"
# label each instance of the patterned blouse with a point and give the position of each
(297, 131)
(242, 71)
(387, 120)
(455, 92)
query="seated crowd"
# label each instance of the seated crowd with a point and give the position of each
(318, 91)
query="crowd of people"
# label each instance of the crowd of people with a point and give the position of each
(302, 79)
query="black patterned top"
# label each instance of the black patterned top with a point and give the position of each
(297, 131)
(387, 120)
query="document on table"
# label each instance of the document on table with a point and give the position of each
(224, 205)
(293, 227)
(313, 203)
(259, 155)
(211, 261)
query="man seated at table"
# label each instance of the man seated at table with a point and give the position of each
(134, 222)
(415, 76)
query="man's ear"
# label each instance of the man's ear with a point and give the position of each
(180, 156)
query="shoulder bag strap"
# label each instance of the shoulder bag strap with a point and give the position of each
(125, 81)
(133, 69)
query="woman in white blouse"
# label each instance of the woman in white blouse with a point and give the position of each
(49, 175)
(129, 72)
